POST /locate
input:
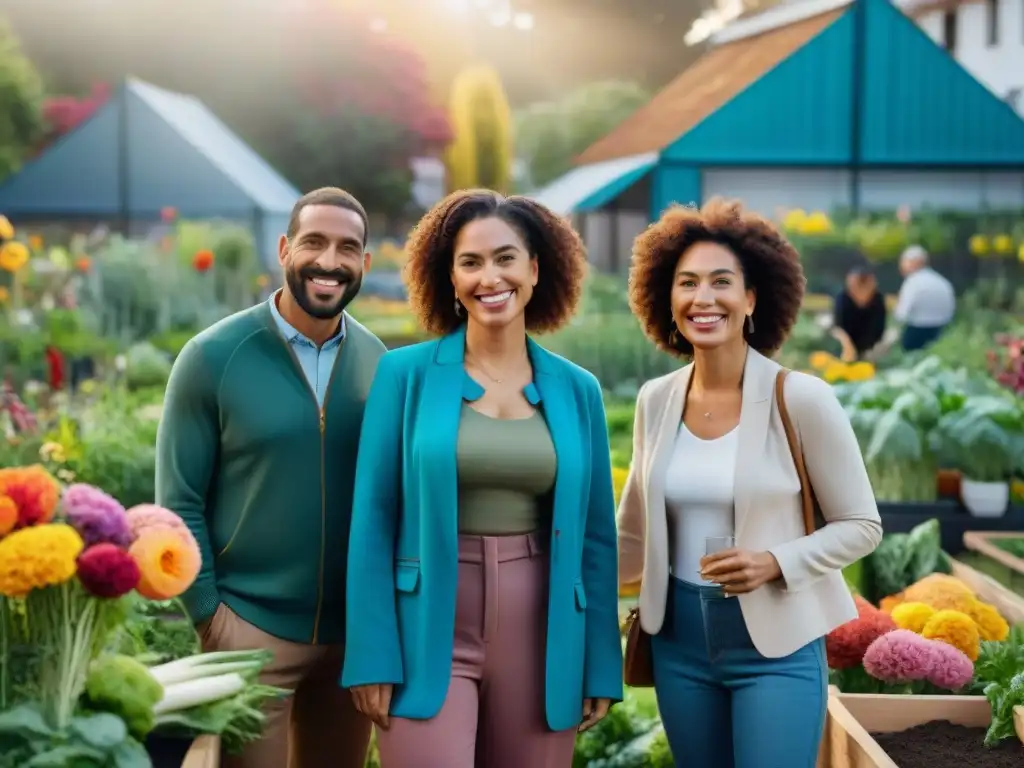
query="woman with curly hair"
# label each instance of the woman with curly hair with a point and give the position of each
(482, 608)
(735, 594)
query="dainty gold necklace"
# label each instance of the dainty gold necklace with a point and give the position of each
(486, 373)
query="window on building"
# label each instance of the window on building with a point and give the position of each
(992, 21)
(949, 31)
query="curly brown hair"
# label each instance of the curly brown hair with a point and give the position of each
(769, 263)
(548, 238)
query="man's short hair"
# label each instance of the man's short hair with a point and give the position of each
(914, 253)
(335, 196)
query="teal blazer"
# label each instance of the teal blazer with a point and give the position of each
(403, 550)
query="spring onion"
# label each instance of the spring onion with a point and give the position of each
(203, 665)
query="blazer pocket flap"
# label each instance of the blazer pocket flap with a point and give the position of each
(407, 577)
(581, 595)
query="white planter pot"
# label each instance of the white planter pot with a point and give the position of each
(985, 499)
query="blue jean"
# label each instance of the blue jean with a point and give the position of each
(917, 337)
(722, 703)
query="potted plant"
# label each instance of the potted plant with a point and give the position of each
(983, 439)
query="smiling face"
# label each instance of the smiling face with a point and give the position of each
(324, 261)
(710, 301)
(492, 272)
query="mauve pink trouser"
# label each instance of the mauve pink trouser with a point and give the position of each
(493, 715)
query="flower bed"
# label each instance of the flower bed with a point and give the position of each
(1009, 604)
(892, 731)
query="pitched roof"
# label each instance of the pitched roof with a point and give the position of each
(710, 83)
(219, 145)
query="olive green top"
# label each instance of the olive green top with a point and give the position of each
(506, 473)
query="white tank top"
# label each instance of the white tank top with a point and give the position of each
(698, 498)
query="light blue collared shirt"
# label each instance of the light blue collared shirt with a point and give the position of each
(317, 363)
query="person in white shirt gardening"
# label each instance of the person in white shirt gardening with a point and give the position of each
(926, 302)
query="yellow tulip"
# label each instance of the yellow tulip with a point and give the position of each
(13, 256)
(1002, 244)
(978, 245)
(6, 229)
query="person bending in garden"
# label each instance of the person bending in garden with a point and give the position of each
(482, 596)
(257, 452)
(736, 596)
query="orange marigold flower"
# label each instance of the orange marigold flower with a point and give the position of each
(168, 564)
(202, 261)
(32, 491)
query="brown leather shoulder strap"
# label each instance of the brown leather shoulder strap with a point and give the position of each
(806, 491)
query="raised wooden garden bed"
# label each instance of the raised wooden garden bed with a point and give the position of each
(166, 752)
(885, 731)
(988, 590)
(995, 561)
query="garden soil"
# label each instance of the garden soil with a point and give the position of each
(942, 744)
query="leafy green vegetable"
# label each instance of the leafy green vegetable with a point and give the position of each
(91, 741)
(123, 686)
(902, 559)
(1003, 699)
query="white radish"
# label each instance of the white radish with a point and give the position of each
(183, 674)
(193, 693)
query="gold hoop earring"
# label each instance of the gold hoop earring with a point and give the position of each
(458, 307)
(750, 324)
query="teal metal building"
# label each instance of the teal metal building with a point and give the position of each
(818, 105)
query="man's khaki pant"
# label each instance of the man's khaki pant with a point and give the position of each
(317, 726)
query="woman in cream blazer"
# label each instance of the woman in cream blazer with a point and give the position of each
(737, 597)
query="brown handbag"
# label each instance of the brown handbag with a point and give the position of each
(638, 665)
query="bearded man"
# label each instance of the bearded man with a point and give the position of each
(256, 451)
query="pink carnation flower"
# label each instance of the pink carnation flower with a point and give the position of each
(900, 656)
(144, 516)
(951, 669)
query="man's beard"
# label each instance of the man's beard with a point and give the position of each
(299, 284)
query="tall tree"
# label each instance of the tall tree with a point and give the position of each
(550, 134)
(481, 154)
(21, 95)
(357, 110)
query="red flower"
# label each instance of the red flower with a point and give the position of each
(845, 645)
(55, 363)
(202, 261)
(107, 571)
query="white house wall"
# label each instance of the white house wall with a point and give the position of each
(770, 190)
(999, 66)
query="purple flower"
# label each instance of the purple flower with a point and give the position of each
(951, 669)
(899, 656)
(98, 517)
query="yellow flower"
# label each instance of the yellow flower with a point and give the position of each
(888, 604)
(817, 223)
(819, 361)
(912, 616)
(794, 219)
(52, 452)
(860, 371)
(978, 245)
(6, 229)
(835, 372)
(991, 626)
(37, 557)
(956, 629)
(87, 387)
(619, 476)
(1002, 244)
(13, 256)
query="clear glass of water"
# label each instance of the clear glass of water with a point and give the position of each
(715, 544)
